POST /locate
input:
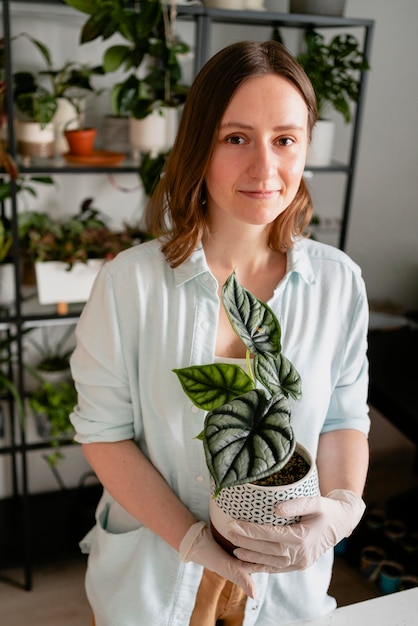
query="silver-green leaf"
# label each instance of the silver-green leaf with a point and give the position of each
(248, 439)
(278, 374)
(252, 320)
(209, 386)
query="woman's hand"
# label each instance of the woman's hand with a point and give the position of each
(324, 522)
(199, 546)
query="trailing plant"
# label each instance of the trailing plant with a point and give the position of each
(37, 98)
(247, 433)
(334, 70)
(55, 402)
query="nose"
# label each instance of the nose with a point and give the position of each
(263, 161)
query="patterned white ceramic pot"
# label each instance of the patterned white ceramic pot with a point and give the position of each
(255, 503)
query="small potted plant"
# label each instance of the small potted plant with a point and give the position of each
(53, 359)
(334, 69)
(68, 254)
(248, 439)
(152, 91)
(52, 99)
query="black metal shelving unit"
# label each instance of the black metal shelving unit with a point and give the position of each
(204, 21)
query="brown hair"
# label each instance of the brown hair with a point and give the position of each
(175, 209)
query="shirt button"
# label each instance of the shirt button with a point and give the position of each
(204, 325)
(194, 409)
(179, 617)
(200, 479)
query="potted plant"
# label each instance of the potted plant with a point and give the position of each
(52, 404)
(68, 254)
(248, 439)
(53, 98)
(334, 69)
(152, 92)
(53, 360)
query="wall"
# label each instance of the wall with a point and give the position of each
(383, 233)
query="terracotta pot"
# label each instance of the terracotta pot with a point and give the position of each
(255, 503)
(81, 141)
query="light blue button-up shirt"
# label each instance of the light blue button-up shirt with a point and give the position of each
(144, 319)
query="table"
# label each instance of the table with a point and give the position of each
(396, 609)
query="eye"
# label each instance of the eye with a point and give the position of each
(236, 140)
(285, 141)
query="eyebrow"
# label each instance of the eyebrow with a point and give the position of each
(243, 126)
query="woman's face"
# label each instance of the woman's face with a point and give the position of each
(260, 153)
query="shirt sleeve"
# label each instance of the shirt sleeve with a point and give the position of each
(104, 408)
(348, 406)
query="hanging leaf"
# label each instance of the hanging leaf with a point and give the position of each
(209, 386)
(248, 439)
(252, 320)
(278, 374)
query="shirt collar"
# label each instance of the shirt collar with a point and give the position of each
(298, 261)
(191, 268)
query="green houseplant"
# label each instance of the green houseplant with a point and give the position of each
(149, 33)
(247, 434)
(334, 70)
(68, 254)
(251, 452)
(151, 90)
(49, 100)
(36, 95)
(81, 237)
(53, 357)
(52, 404)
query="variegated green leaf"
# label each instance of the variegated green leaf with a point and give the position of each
(209, 386)
(253, 320)
(278, 374)
(248, 439)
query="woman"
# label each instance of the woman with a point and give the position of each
(232, 196)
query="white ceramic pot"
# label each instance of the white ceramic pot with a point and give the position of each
(66, 117)
(154, 133)
(34, 141)
(321, 148)
(7, 284)
(58, 284)
(255, 503)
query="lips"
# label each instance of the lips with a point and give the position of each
(260, 194)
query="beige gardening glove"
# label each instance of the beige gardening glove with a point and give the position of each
(199, 546)
(324, 522)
